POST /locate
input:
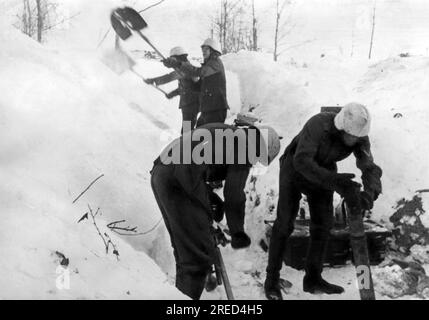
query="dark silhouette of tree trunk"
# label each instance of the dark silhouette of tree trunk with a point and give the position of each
(224, 22)
(254, 28)
(40, 18)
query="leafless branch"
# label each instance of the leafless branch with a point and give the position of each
(113, 226)
(105, 237)
(104, 37)
(132, 232)
(286, 33)
(62, 21)
(110, 242)
(151, 6)
(90, 185)
(106, 244)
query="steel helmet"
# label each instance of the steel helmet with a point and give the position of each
(354, 119)
(211, 43)
(177, 51)
(271, 144)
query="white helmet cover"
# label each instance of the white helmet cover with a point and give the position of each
(212, 44)
(271, 142)
(354, 119)
(177, 51)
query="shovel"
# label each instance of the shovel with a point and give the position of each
(119, 62)
(359, 247)
(220, 270)
(124, 20)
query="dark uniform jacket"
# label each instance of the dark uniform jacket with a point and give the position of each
(189, 89)
(213, 83)
(313, 154)
(193, 177)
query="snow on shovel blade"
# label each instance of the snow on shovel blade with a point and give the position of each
(118, 61)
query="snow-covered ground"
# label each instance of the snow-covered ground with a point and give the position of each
(65, 119)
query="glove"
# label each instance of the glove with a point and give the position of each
(149, 81)
(366, 201)
(353, 200)
(344, 184)
(171, 63)
(217, 206)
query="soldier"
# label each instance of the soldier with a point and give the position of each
(186, 201)
(188, 90)
(213, 98)
(309, 167)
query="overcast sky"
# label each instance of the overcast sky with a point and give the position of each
(335, 27)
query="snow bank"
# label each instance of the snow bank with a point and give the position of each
(286, 95)
(396, 91)
(64, 120)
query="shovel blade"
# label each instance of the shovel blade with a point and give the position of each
(118, 61)
(131, 18)
(120, 28)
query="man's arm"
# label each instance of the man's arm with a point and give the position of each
(210, 68)
(235, 197)
(371, 173)
(173, 94)
(166, 78)
(305, 154)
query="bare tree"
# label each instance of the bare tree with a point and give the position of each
(35, 17)
(224, 23)
(26, 21)
(233, 26)
(373, 30)
(254, 28)
(39, 16)
(283, 27)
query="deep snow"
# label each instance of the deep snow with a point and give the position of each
(65, 119)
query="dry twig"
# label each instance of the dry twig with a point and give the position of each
(74, 201)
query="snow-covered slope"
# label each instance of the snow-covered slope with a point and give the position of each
(65, 120)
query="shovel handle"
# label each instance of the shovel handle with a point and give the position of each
(156, 50)
(224, 275)
(152, 85)
(359, 246)
(150, 43)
